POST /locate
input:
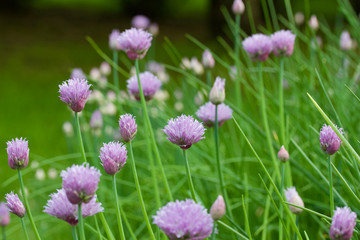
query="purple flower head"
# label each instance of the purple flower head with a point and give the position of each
(149, 83)
(238, 7)
(80, 182)
(258, 46)
(217, 92)
(128, 127)
(345, 41)
(60, 207)
(140, 21)
(113, 43)
(135, 42)
(4, 215)
(184, 131)
(283, 155)
(18, 153)
(184, 220)
(96, 120)
(283, 43)
(293, 197)
(207, 114)
(343, 224)
(75, 92)
(113, 157)
(218, 209)
(15, 205)
(77, 73)
(208, 59)
(329, 141)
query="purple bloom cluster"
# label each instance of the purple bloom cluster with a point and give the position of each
(140, 21)
(114, 35)
(149, 83)
(128, 127)
(18, 153)
(283, 42)
(258, 46)
(4, 215)
(135, 42)
(184, 131)
(343, 224)
(184, 220)
(217, 92)
(77, 73)
(207, 114)
(75, 92)
(80, 183)
(113, 157)
(15, 205)
(60, 207)
(329, 141)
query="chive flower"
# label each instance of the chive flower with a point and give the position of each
(343, 224)
(149, 84)
(217, 92)
(77, 73)
(135, 42)
(238, 7)
(140, 21)
(218, 209)
(4, 215)
(96, 120)
(208, 59)
(207, 114)
(329, 141)
(75, 92)
(258, 46)
(113, 37)
(346, 42)
(283, 43)
(15, 205)
(113, 157)
(18, 153)
(128, 127)
(283, 155)
(293, 197)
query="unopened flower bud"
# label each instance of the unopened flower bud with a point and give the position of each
(283, 155)
(293, 197)
(218, 209)
(217, 93)
(238, 7)
(207, 59)
(314, 23)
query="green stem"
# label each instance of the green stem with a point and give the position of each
(297, 225)
(237, 61)
(151, 133)
(232, 230)
(81, 223)
(74, 234)
(208, 77)
(331, 188)
(24, 227)
(281, 190)
(115, 73)
(77, 125)
(3, 233)
(97, 227)
(27, 206)
(118, 214)
(188, 174)
(213, 235)
(138, 189)
(281, 103)
(106, 226)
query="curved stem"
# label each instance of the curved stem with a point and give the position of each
(281, 103)
(106, 226)
(3, 233)
(77, 125)
(331, 188)
(74, 234)
(188, 174)
(81, 223)
(138, 189)
(115, 73)
(24, 227)
(118, 214)
(27, 206)
(151, 133)
(97, 227)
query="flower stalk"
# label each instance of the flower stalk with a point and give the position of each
(118, 214)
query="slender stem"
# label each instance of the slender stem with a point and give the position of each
(106, 226)
(27, 206)
(138, 189)
(237, 61)
(208, 77)
(81, 223)
(213, 235)
(118, 214)
(188, 174)
(331, 188)
(3, 233)
(281, 103)
(97, 227)
(232, 230)
(74, 234)
(77, 125)
(281, 190)
(24, 227)
(115, 73)
(151, 133)
(297, 224)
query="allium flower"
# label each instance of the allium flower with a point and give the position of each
(105, 68)
(345, 41)
(113, 157)
(77, 73)
(293, 197)
(68, 129)
(207, 114)
(96, 120)
(218, 209)
(80, 182)
(184, 220)
(313, 22)
(196, 66)
(299, 18)
(184, 131)
(15, 205)
(154, 29)
(128, 127)
(283, 155)
(208, 59)
(114, 35)
(329, 141)
(4, 215)
(135, 42)
(258, 46)
(149, 83)
(60, 207)
(343, 224)
(140, 21)
(283, 43)
(95, 74)
(238, 7)
(75, 92)
(217, 92)
(18, 153)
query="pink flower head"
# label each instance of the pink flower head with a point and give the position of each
(283, 42)
(18, 153)
(283, 155)
(343, 224)
(75, 92)
(113, 40)
(218, 209)
(208, 59)
(59, 206)
(329, 141)
(184, 220)
(258, 46)
(345, 41)
(4, 215)
(207, 114)
(149, 83)
(217, 92)
(184, 131)
(113, 157)
(135, 42)
(96, 120)
(140, 21)
(15, 205)
(293, 197)
(238, 7)
(77, 73)
(80, 182)
(128, 127)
